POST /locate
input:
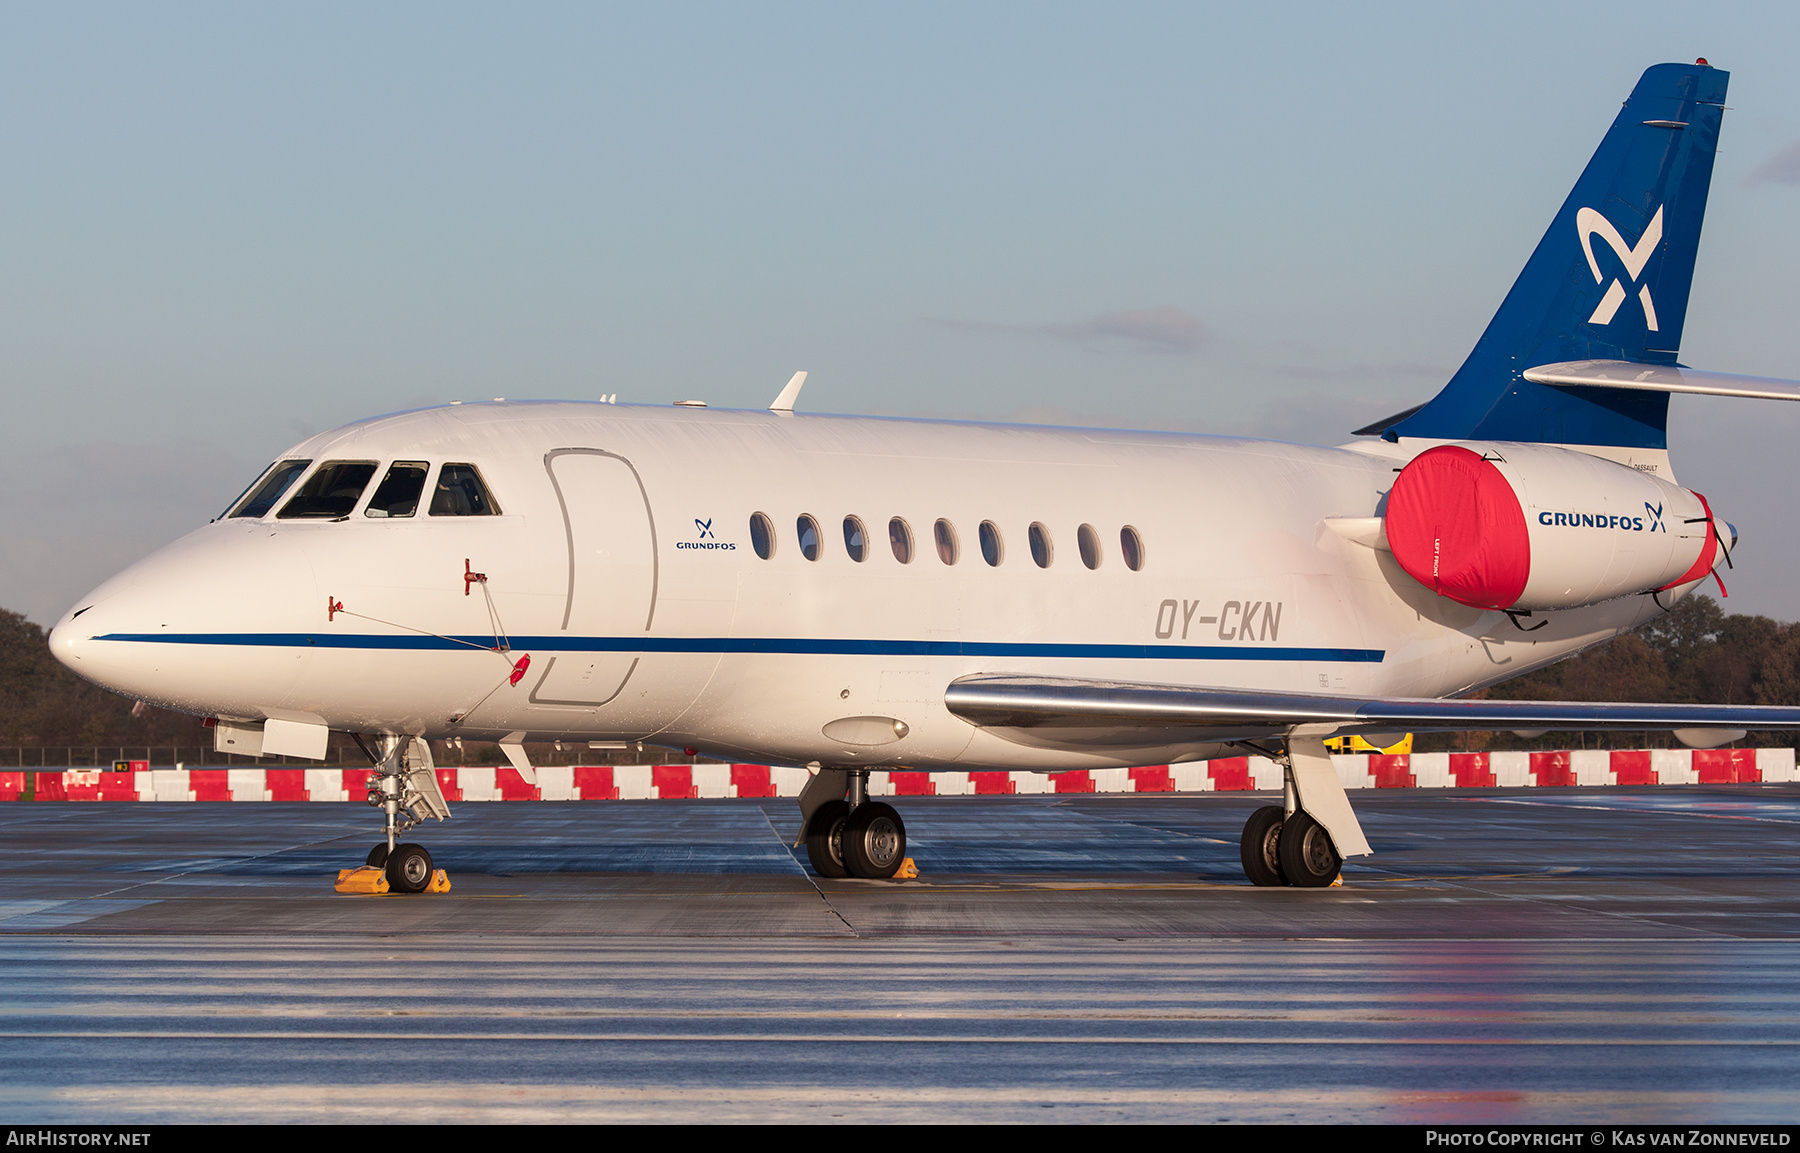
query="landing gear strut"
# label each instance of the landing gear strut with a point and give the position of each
(405, 789)
(852, 836)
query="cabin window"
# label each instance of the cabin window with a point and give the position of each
(331, 492)
(856, 540)
(262, 494)
(900, 540)
(944, 534)
(762, 535)
(1041, 554)
(808, 530)
(1131, 547)
(399, 491)
(993, 549)
(460, 492)
(1088, 541)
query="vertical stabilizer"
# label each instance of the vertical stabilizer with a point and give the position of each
(1609, 281)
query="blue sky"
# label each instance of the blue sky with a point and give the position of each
(225, 227)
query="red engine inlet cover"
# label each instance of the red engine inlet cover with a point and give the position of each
(1456, 526)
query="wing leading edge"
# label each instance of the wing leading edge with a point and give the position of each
(1088, 713)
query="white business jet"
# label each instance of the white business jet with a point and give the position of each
(853, 593)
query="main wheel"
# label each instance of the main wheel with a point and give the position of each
(1260, 847)
(1308, 857)
(377, 856)
(825, 839)
(408, 869)
(874, 841)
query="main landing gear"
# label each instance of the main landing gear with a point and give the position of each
(846, 834)
(1279, 849)
(405, 789)
(1289, 843)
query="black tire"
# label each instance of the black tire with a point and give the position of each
(1308, 857)
(1261, 846)
(874, 841)
(377, 856)
(825, 839)
(408, 869)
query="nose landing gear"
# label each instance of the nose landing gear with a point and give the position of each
(845, 833)
(405, 789)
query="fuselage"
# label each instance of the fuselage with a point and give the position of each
(620, 558)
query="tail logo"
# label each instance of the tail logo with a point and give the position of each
(1590, 224)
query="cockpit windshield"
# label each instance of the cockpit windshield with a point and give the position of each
(461, 493)
(399, 492)
(331, 492)
(262, 494)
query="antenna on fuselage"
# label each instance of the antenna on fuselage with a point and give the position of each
(789, 394)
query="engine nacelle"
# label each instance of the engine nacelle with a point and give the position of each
(1526, 527)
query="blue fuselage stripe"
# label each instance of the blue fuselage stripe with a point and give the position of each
(783, 646)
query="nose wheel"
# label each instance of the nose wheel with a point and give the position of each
(408, 869)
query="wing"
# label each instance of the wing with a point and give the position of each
(1076, 713)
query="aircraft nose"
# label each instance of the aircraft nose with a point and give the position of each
(74, 641)
(70, 638)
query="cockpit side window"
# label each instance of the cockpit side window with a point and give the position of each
(399, 491)
(261, 496)
(461, 493)
(331, 492)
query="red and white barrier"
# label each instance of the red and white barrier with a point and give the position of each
(689, 782)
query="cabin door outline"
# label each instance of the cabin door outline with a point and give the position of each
(614, 573)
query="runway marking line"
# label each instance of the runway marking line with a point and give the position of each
(1619, 809)
(892, 1038)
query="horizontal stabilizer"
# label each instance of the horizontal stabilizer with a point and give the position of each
(1386, 423)
(1662, 378)
(1074, 708)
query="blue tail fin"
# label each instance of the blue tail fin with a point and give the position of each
(1609, 281)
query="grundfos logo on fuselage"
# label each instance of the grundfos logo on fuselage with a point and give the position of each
(1652, 522)
(707, 540)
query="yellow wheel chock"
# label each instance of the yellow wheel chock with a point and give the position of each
(367, 879)
(372, 880)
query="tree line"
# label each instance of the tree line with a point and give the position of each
(1695, 654)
